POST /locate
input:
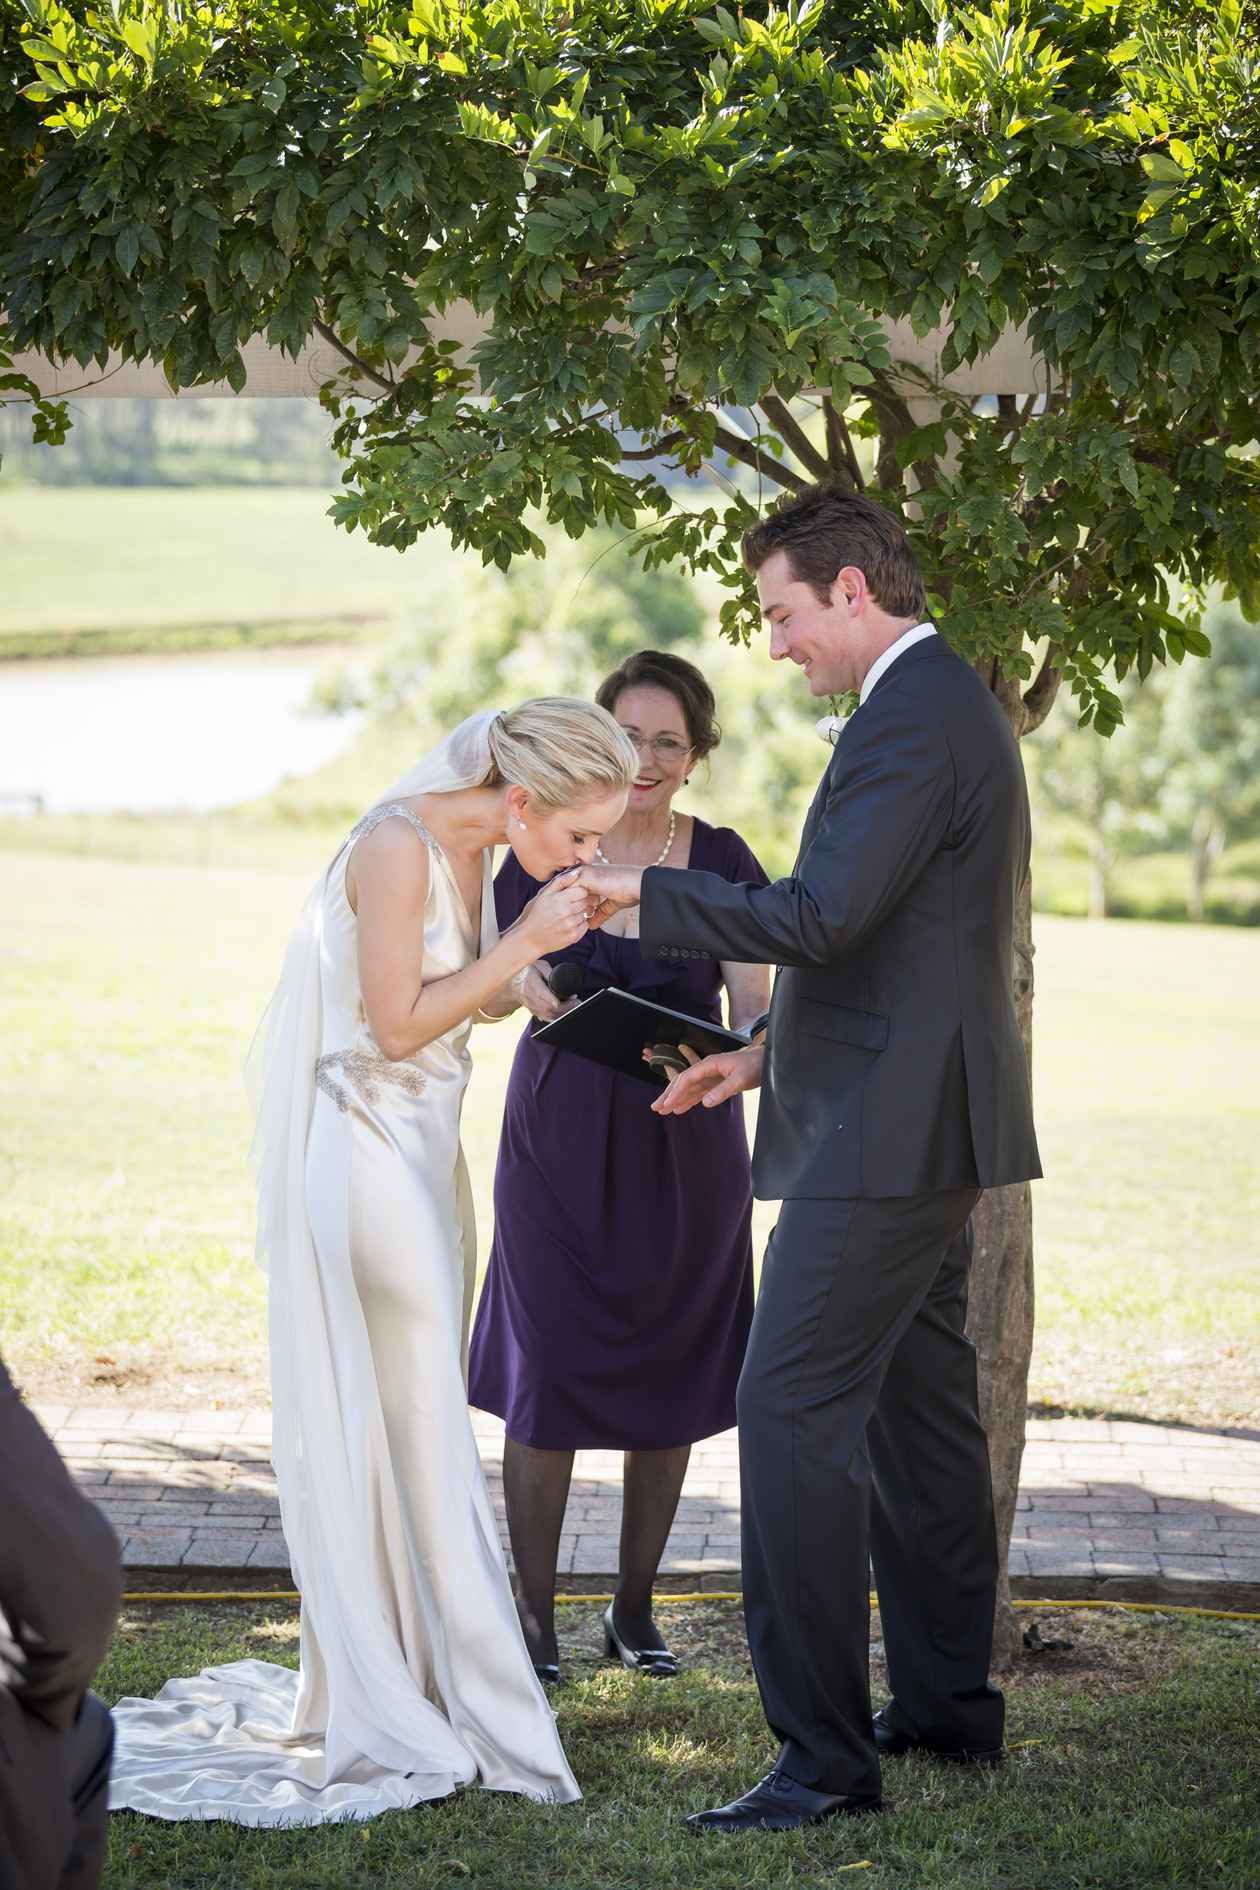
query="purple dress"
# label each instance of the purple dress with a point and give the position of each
(618, 1298)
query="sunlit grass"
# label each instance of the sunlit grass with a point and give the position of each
(1133, 1769)
(129, 992)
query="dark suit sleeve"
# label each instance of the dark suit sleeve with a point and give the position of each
(60, 1578)
(888, 809)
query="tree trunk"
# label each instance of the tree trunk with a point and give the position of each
(1000, 1319)
(1204, 846)
(1000, 1307)
(1099, 888)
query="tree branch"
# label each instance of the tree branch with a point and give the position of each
(895, 423)
(1033, 509)
(357, 362)
(1040, 695)
(794, 435)
(666, 444)
(841, 453)
(749, 455)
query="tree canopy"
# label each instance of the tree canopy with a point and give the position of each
(688, 228)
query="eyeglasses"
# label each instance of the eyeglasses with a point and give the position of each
(666, 748)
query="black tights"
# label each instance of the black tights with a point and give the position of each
(536, 1489)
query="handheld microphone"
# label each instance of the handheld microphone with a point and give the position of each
(566, 981)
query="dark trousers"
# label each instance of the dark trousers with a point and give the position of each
(860, 1440)
(50, 1834)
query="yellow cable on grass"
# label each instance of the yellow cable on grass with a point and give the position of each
(715, 1594)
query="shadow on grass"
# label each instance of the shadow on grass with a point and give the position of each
(1131, 1768)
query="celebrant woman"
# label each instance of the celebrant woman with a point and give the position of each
(618, 1297)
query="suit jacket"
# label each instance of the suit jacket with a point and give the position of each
(60, 1581)
(894, 1063)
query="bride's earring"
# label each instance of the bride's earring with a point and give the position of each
(520, 823)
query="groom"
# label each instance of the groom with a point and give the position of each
(895, 1088)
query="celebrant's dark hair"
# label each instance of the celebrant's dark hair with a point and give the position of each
(660, 669)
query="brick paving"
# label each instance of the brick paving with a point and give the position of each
(1099, 1500)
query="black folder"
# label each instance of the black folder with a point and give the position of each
(612, 1028)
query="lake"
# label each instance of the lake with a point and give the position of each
(142, 734)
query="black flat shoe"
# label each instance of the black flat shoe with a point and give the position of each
(548, 1672)
(891, 1742)
(779, 1803)
(657, 1662)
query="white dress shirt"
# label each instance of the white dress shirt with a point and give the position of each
(894, 650)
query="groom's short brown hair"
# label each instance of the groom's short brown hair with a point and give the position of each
(825, 528)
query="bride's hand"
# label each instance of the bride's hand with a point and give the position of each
(556, 916)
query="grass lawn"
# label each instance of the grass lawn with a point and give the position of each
(1134, 1770)
(129, 991)
(120, 562)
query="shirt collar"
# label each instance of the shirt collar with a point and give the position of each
(894, 650)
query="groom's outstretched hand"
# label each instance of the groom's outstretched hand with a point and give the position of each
(711, 1080)
(610, 889)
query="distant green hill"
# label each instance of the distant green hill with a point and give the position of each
(90, 569)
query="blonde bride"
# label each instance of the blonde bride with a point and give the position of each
(414, 1677)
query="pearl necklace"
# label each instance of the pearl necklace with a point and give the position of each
(661, 857)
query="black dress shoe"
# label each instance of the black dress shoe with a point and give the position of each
(548, 1672)
(657, 1662)
(891, 1742)
(779, 1803)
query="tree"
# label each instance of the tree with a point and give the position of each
(561, 625)
(668, 213)
(1111, 789)
(1212, 748)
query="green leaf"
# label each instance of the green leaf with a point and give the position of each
(127, 249)
(1161, 169)
(1184, 364)
(284, 216)
(993, 189)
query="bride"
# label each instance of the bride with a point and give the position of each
(414, 1677)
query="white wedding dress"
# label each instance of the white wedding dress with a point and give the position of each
(415, 1677)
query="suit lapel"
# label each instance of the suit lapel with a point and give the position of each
(814, 815)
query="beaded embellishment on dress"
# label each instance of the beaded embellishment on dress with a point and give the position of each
(365, 1071)
(387, 812)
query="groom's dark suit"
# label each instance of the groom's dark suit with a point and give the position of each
(895, 1088)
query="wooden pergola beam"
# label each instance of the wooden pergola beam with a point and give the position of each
(1010, 368)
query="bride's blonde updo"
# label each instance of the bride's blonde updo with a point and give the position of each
(562, 751)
